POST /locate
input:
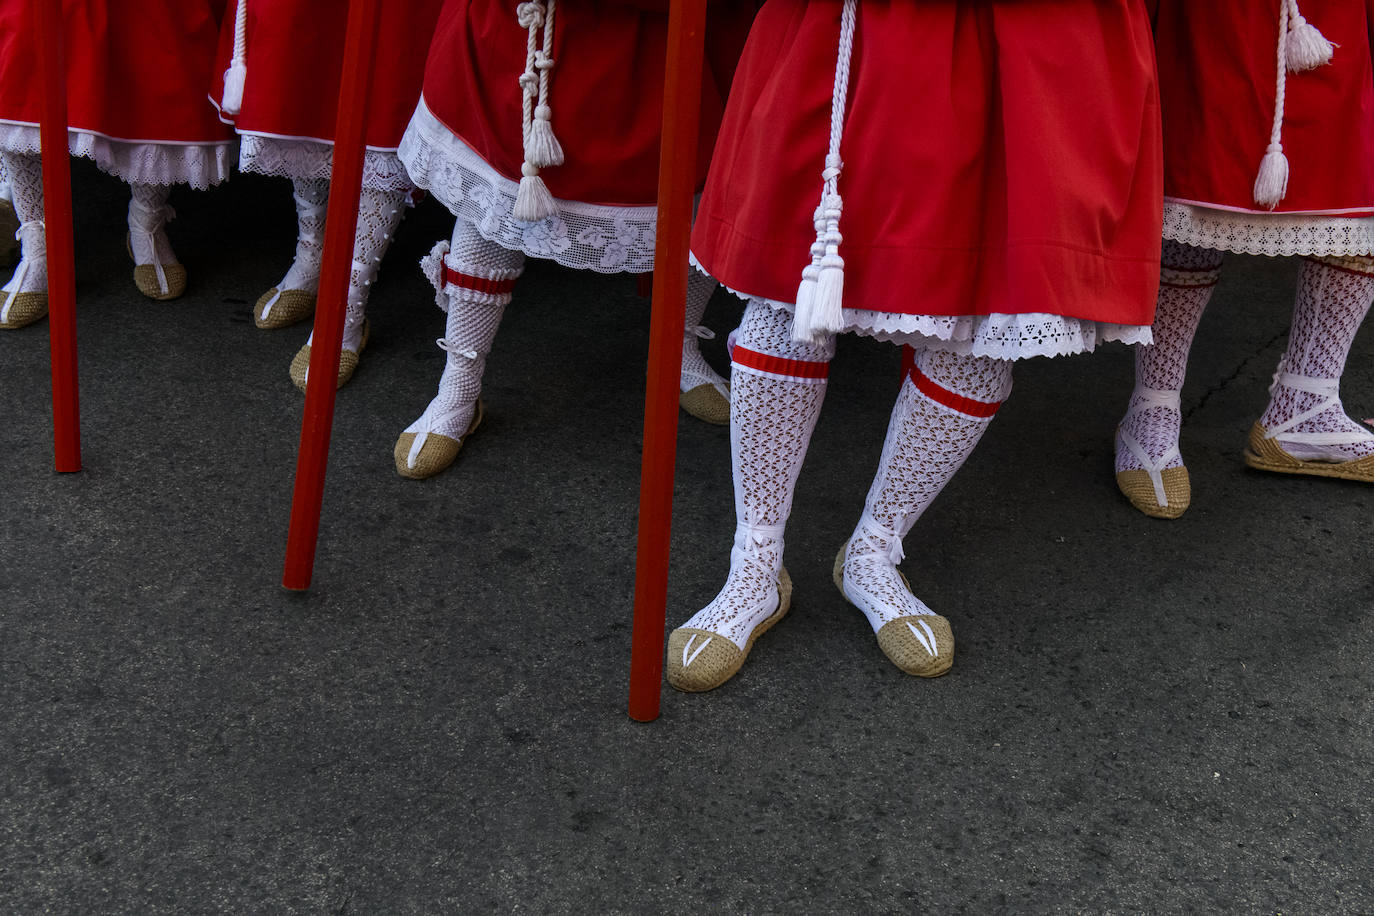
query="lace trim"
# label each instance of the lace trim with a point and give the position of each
(305, 159)
(135, 161)
(997, 336)
(585, 236)
(1272, 234)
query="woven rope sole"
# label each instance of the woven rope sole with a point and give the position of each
(898, 639)
(1267, 455)
(707, 404)
(1178, 490)
(720, 659)
(145, 278)
(437, 453)
(348, 362)
(26, 309)
(292, 305)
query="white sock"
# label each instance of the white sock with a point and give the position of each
(942, 411)
(148, 215)
(30, 275)
(379, 213)
(777, 387)
(1153, 420)
(312, 201)
(474, 279)
(695, 370)
(1333, 298)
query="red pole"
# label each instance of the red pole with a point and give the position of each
(346, 179)
(676, 180)
(57, 219)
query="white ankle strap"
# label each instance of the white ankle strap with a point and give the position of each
(1143, 398)
(1327, 387)
(34, 237)
(1329, 390)
(876, 535)
(748, 538)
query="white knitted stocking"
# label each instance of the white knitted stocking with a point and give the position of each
(1153, 419)
(1333, 297)
(148, 215)
(474, 278)
(695, 370)
(312, 201)
(379, 213)
(26, 189)
(942, 411)
(777, 387)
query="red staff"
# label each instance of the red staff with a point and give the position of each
(676, 180)
(346, 180)
(57, 221)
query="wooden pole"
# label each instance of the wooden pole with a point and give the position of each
(50, 39)
(336, 265)
(676, 181)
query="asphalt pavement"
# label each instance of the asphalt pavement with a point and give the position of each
(1143, 716)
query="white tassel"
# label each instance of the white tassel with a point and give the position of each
(820, 297)
(533, 201)
(543, 149)
(234, 78)
(827, 312)
(1305, 48)
(231, 102)
(1272, 182)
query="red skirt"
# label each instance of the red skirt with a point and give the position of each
(606, 96)
(1000, 157)
(294, 55)
(137, 71)
(1218, 83)
(465, 143)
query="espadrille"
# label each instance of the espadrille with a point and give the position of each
(22, 309)
(147, 280)
(280, 308)
(348, 362)
(699, 660)
(1139, 488)
(921, 645)
(424, 454)
(706, 403)
(1264, 453)
(1156, 490)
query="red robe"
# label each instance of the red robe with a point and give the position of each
(1218, 80)
(606, 96)
(294, 52)
(137, 70)
(1000, 157)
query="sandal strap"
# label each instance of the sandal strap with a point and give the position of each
(1328, 389)
(1143, 398)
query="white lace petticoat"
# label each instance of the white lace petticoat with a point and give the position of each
(136, 161)
(604, 239)
(304, 158)
(998, 336)
(1272, 234)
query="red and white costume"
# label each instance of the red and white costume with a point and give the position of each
(967, 208)
(1269, 149)
(136, 72)
(278, 84)
(500, 76)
